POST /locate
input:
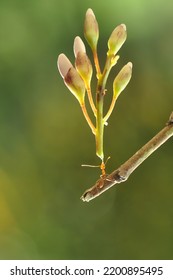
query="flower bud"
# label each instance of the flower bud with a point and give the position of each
(71, 77)
(75, 84)
(91, 29)
(117, 39)
(84, 67)
(63, 64)
(122, 79)
(78, 46)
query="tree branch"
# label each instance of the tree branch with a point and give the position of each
(124, 171)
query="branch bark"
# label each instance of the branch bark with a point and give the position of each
(124, 171)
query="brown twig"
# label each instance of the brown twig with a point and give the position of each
(123, 172)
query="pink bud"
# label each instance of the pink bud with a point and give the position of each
(78, 46)
(84, 67)
(63, 64)
(75, 84)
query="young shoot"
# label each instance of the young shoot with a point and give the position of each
(78, 78)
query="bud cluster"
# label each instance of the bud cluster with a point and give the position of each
(78, 78)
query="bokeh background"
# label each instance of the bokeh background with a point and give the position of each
(44, 138)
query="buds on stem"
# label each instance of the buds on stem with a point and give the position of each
(78, 78)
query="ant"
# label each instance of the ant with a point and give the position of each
(102, 166)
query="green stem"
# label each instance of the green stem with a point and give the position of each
(96, 62)
(90, 98)
(99, 107)
(99, 124)
(110, 109)
(84, 110)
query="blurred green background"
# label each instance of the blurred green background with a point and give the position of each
(44, 138)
